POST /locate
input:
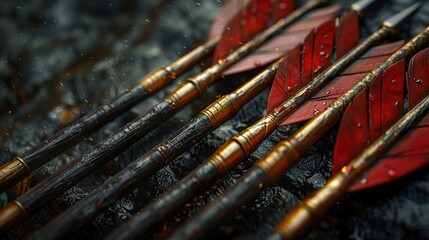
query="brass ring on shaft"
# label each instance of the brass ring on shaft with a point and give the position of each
(20, 206)
(23, 163)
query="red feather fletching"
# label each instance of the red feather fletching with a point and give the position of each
(284, 41)
(365, 118)
(230, 9)
(320, 101)
(348, 33)
(251, 18)
(289, 75)
(412, 151)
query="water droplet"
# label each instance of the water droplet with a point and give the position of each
(277, 49)
(322, 53)
(397, 104)
(346, 169)
(359, 124)
(315, 112)
(282, 6)
(318, 68)
(419, 81)
(289, 88)
(394, 81)
(222, 60)
(391, 173)
(371, 98)
(364, 181)
(257, 64)
(322, 46)
(324, 103)
(325, 35)
(328, 92)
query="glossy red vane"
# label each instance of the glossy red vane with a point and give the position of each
(251, 18)
(286, 40)
(323, 46)
(321, 100)
(412, 151)
(369, 115)
(288, 74)
(347, 33)
(307, 58)
(289, 78)
(231, 8)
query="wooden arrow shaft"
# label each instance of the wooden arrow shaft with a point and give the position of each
(318, 203)
(21, 166)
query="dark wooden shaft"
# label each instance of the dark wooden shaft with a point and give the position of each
(286, 153)
(126, 180)
(246, 189)
(210, 118)
(79, 168)
(20, 167)
(166, 204)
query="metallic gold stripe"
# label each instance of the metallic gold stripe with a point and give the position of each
(23, 163)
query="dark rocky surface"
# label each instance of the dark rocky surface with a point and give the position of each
(61, 59)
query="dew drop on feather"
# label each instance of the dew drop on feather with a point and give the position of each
(316, 112)
(346, 169)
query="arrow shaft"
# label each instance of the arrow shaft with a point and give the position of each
(141, 169)
(21, 166)
(318, 203)
(79, 168)
(240, 146)
(286, 153)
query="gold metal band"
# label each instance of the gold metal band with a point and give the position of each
(222, 109)
(13, 171)
(10, 215)
(156, 80)
(19, 204)
(23, 163)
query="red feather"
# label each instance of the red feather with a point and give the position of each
(230, 9)
(348, 33)
(317, 50)
(288, 77)
(370, 114)
(412, 152)
(286, 40)
(251, 18)
(287, 74)
(339, 85)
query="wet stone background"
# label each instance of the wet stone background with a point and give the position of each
(62, 59)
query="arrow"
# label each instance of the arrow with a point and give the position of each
(286, 153)
(318, 203)
(47, 190)
(209, 119)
